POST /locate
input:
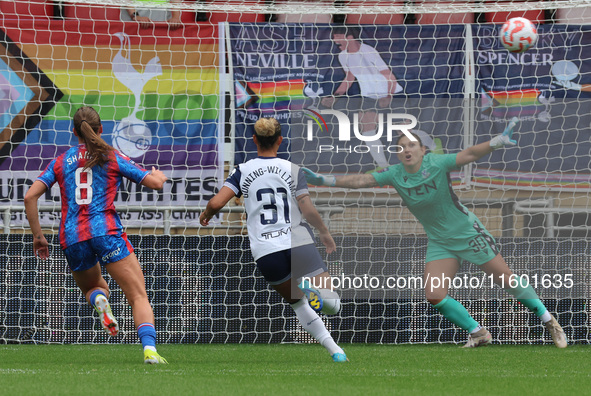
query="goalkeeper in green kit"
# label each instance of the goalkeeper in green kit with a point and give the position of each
(454, 233)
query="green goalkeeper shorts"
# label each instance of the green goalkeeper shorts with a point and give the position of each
(477, 249)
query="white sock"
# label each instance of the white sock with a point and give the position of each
(376, 152)
(150, 348)
(312, 323)
(331, 346)
(478, 328)
(546, 317)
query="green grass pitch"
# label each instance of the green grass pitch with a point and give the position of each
(294, 369)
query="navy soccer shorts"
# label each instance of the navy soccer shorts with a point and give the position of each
(296, 263)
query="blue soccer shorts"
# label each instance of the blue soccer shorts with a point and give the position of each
(104, 249)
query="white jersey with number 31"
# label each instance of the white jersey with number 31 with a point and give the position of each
(270, 186)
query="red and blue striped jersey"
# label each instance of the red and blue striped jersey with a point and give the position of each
(87, 195)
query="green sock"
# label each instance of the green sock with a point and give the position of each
(456, 313)
(528, 297)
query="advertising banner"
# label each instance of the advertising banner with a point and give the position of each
(156, 94)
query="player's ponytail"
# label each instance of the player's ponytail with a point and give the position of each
(87, 123)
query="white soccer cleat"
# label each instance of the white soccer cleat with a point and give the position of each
(557, 333)
(108, 321)
(481, 338)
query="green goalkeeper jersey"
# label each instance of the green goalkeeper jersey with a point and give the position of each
(429, 196)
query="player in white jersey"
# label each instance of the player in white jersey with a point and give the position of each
(276, 197)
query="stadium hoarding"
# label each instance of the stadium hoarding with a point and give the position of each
(157, 96)
(289, 71)
(305, 68)
(549, 90)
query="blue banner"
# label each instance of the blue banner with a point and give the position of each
(299, 75)
(296, 73)
(548, 88)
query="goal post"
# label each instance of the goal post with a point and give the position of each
(184, 99)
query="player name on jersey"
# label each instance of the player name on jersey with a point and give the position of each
(74, 158)
(252, 176)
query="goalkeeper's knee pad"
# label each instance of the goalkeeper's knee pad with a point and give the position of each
(331, 302)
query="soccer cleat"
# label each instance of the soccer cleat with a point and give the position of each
(481, 338)
(152, 357)
(339, 357)
(102, 306)
(313, 296)
(557, 333)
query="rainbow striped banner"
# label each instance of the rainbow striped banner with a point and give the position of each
(543, 181)
(507, 104)
(157, 94)
(279, 95)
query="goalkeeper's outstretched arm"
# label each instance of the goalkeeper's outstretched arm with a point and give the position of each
(356, 181)
(473, 153)
(348, 181)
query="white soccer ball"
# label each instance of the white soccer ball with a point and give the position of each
(518, 35)
(331, 302)
(132, 137)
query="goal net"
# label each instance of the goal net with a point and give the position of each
(179, 86)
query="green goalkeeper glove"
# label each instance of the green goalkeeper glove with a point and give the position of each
(504, 139)
(316, 179)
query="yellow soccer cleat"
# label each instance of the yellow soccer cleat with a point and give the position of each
(152, 357)
(313, 296)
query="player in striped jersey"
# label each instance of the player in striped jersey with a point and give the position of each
(275, 198)
(90, 231)
(454, 233)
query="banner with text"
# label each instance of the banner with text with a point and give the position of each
(375, 78)
(548, 89)
(157, 96)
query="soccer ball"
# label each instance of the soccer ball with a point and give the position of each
(331, 302)
(518, 35)
(132, 137)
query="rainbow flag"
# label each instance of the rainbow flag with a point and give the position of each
(543, 181)
(160, 85)
(521, 102)
(156, 91)
(278, 95)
